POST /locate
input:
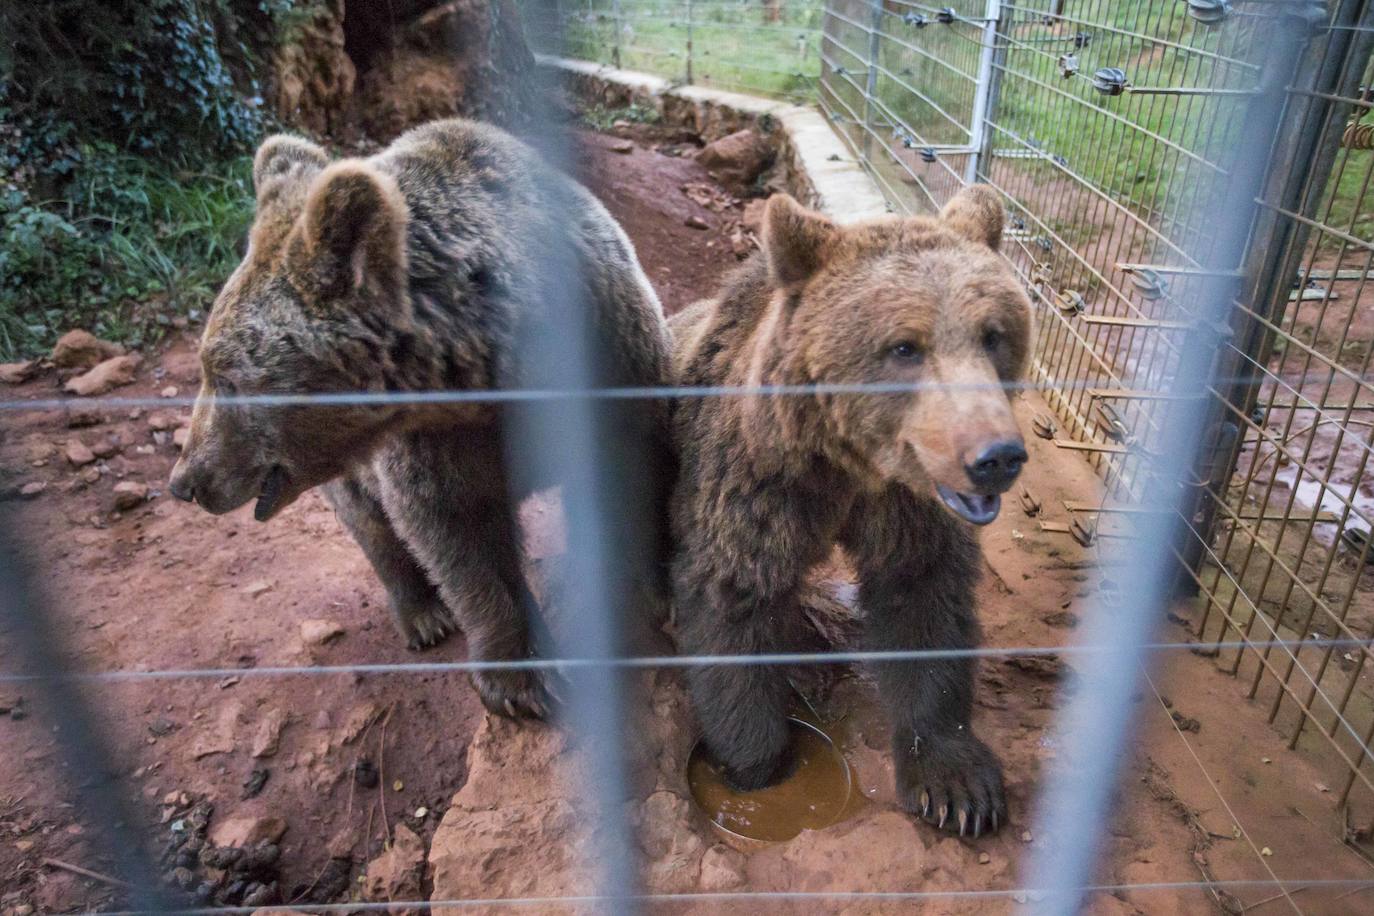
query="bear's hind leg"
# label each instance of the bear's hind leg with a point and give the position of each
(419, 613)
(917, 571)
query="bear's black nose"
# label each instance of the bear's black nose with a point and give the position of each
(996, 466)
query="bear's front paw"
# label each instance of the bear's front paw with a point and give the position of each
(517, 694)
(953, 782)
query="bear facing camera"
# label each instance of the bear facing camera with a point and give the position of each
(899, 474)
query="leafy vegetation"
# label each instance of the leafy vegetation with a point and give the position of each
(123, 131)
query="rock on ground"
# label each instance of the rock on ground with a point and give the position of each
(319, 632)
(81, 349)
(129, 493)
(247, 831)
(398, 873)
(738, 158)
(105, 376)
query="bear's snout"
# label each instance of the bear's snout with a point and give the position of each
(996, 466)
(182, 484)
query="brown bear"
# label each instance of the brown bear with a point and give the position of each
(420, 269)
(925, 309)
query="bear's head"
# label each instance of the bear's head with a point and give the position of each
(925, 307)
(315, 307)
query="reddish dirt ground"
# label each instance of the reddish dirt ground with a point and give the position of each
(164, 586)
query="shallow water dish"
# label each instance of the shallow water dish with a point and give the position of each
(816, 795)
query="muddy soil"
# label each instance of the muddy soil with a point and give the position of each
(352, 760)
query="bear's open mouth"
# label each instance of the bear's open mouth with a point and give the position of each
(270, 497)
(972, 507)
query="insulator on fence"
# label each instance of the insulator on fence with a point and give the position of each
(1209, 12)
(1358, 136)
(841, 71)
(1018, 224)
(1043, 243)
(1110, 81)
(916, 19)
(1151, 285)
(945, 16)
(1257, 416)
(1071, 301)
(1060, 161)
(1068, 65)
(928, 154)
(1082, 40)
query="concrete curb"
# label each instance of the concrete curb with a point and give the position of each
(817, 167)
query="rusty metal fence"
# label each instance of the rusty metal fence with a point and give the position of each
(1112, 129)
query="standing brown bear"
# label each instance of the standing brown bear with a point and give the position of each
(898, 477)
(419, 270)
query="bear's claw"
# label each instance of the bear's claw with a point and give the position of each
(953, 783)
(426, 628)
(514, 694)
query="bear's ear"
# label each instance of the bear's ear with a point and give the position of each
(283, 158)
(795, 240)
(977, 214)
(352, 233)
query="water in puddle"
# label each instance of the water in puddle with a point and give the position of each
(816, 795)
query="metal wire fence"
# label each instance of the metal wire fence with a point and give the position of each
(1113, 130)
(1187, 186)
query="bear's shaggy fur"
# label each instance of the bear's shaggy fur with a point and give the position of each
(769, 483)
(419, 270)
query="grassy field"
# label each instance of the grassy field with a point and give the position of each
(736, 45)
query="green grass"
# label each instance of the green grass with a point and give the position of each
(125, 249)
(734, 46)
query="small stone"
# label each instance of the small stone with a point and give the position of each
(180, 436)
(78, 454)
(160, 422)
(32, 488)
(267, 737)
(112, 373)
(170, 391)
(254, 589)
(421, 813)
(106, 448)
(984, 858)
(129, 493)
(89, 474)
(624, 147)
(365, 774)
(397, 873)
(318, 632)
(17, 373)
(238, 832)
(696, 222)
(1266, 851)
(1026, 836)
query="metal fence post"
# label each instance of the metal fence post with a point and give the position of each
(618, 25)
(875, 23)
(985, 92)
(689, 42)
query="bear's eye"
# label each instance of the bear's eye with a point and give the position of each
(906, 351)
(992, 339)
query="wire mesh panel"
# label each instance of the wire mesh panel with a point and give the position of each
(767, 48)
(1113, 129)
